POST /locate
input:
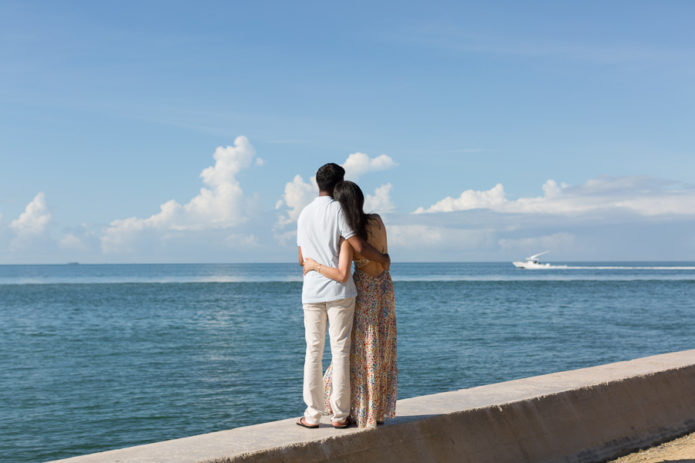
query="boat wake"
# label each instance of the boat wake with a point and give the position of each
(607, 267)
(532, 263)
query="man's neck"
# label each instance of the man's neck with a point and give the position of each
(324, 193)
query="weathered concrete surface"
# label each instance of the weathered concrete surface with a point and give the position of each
(681, 450)
(585, 415)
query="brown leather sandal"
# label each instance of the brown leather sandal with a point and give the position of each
(342, 424)
(302, 422)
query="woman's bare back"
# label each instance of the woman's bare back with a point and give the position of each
(376, 236)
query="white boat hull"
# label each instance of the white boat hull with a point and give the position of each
(531, 265)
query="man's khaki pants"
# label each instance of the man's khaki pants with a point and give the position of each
(339, 315)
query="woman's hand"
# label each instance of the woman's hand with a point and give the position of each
(309, 265)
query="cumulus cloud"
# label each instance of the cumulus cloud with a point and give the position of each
(469, 199)
(409, 236)
(34, 219)
(638, 195)
(287, 238)
(605, 217)
(358, 164)
(298, 194)
(380, 202)
(420, 236)
(70, 241)
(219, 204)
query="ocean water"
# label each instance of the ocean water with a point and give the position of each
(97, 357)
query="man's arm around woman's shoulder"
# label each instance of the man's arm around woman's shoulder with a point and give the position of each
(368, 251)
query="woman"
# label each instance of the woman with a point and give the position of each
(373, 369)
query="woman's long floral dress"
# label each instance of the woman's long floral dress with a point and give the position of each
(373, 369)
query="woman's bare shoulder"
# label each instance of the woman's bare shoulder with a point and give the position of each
(375, 221)
(376, 231)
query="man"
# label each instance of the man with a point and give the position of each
(319, 228)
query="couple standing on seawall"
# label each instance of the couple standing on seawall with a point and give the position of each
(360, 386)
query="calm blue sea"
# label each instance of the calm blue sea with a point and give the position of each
(97, 357)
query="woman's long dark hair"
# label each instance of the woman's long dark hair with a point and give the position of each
(351, 199)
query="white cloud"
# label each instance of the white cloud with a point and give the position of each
(229, 161)
(287, 238)
(358, 164)
(241, 241)
(71, 242)
(415, 235)
(297, 195)
(639, 195)
(220, 204)
(469, 199)
(419, 236)
(380, 202)
(602, 217)
(552, 189)
(34, 219)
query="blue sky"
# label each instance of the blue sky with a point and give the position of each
(486, 131)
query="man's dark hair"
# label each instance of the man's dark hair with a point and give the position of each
(328, 176)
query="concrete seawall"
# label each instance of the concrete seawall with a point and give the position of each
(586, 415)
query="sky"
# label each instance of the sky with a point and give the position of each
(166, 131)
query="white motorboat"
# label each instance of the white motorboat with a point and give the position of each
(532, 262)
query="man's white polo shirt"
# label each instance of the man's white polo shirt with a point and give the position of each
(319, 228)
